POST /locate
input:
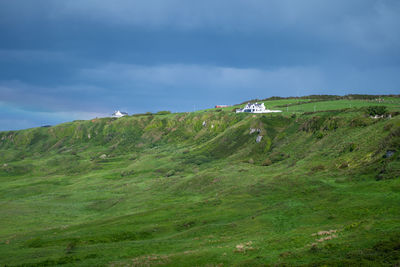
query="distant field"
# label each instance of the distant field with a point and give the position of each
(268, 104)
(392, 104)
(294, 105)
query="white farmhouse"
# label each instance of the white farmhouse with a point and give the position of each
(255, 108)
(119, 114)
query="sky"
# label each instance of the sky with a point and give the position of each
(80, 59)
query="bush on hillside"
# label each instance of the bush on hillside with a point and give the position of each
(344, 165)
(388, 126)
(163, 112)
(38, 137)
(389, 170)
(318, 168)
(319, 135)
(312, 125)
(127, 173)
(278, 156)
(352, 147)
(392, 140)
(71, 246)
(17, 169)
(36, 242)
(376, 110)
(331, 124)
(170, 173)
(266, 162)
(197, 159)
(360, 122)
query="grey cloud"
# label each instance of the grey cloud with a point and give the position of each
(207, 78)
(367, 24)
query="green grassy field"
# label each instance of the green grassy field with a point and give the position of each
(319, 189)
(300, 105)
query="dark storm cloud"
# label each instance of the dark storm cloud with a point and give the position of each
(91, 57)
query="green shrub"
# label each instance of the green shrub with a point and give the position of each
(34, 243)
(331, 124)
(344, 165)
(170, 173)
(319, 135)
(267, 162)
(185, 225)
(318, 168)
(163, 112)
(278, 156)
(312, 125)
(392, 140)
(17, 169)
(127, 173)
(351, 147)
(376, 110)
(71, 246)
(388, 126)
(197, 159)
(360, 122)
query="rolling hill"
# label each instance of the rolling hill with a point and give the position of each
(316, 185)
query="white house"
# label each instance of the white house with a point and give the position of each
(119, 114)
(255, 108)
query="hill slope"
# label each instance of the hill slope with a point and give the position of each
(196, 189)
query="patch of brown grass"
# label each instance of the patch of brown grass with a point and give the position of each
(243, 247)
(144, 261)
(324, 236)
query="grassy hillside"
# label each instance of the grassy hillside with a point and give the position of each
(197, 189)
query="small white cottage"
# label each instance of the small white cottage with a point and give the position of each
(255, 108)
(119, 114)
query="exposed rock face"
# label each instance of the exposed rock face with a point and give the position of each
(259, 138)
(104, 156)
(389, 153)
(253, 130)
